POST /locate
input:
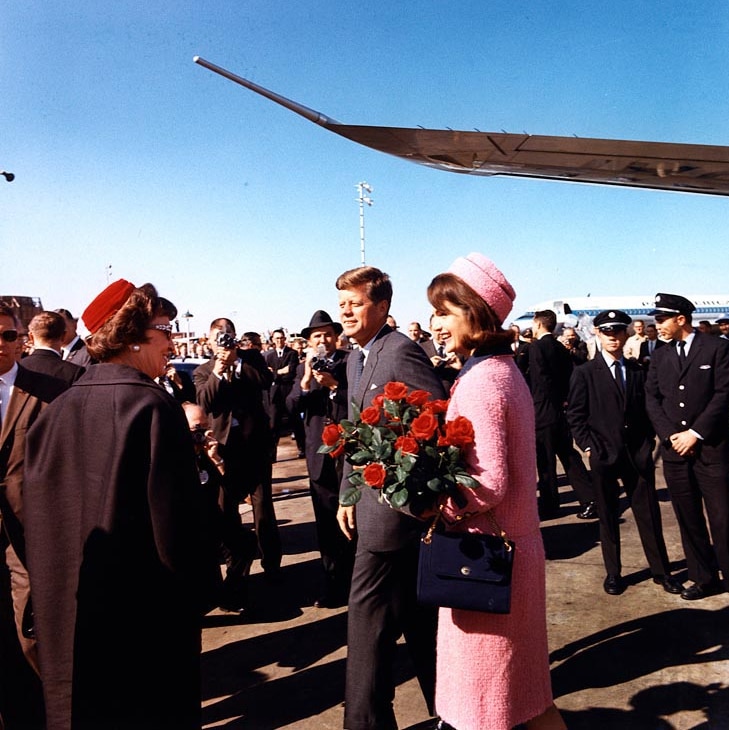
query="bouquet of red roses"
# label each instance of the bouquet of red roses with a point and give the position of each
(403, 446)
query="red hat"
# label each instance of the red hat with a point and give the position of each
(487, 281)
(106, 304)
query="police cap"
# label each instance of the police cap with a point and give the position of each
(671, 304)
(611, 319)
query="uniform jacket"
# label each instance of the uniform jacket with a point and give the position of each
(392, 357)
(604, 419)
(114, 523)
(319, 409)
(548, 374)
(695, 396)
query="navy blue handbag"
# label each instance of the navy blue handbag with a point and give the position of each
(465, 570)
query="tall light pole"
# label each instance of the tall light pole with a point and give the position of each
(363, 188)
(187, 316)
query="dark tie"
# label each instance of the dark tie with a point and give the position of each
(358, 368)
(681, 353)
(619, 375)
(441, 351)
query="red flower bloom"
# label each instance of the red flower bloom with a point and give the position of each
(418, 397)
(331, 433)
(424, 426)
(370, 416)
(374, 475)
(395, 390)
(459, 432)
(436, 406)
(379, 400)
(407, 444)
(338, 451)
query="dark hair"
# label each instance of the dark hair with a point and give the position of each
(6, 311)
(129, 325)
(376, 282)
(484, 325)
(547, 318)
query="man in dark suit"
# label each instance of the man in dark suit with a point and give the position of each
(25, 390)
(650, 345)
(45, 334)
(382, 601)
(282, 361)
(607, 416)
(320, 393)
(74, 349)
(549, 367)
(687, 396)
(230, 389)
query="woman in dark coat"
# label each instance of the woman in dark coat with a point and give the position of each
(121, 567)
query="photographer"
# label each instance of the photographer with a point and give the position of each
(320, 393)
(230, 388)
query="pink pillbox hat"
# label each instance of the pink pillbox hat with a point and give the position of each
(487, 281)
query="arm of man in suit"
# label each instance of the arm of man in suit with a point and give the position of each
(578, 409)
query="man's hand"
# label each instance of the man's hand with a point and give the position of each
(346, 520)
(224, 359)
(683, 443)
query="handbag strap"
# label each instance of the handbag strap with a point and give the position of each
(428, 537)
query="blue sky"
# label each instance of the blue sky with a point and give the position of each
(128, 154)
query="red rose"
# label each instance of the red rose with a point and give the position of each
(407, 444)
(459, 432)
(370, 416)
(338, 451)
(330, 434)
(374, 475)
(378, 401)
(418, 397)
(395, 391)
(436, 406)
(424, 426)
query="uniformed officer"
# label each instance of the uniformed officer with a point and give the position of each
(687, 396)
(608, 419)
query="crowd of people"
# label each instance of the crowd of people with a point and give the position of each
(123, 476)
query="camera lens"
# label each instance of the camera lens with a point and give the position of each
(198, 436)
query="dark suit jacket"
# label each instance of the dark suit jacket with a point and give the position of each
(604, 419)
(695, 396)
(79, 355)
(282, 384)
(319, 409)
(644, 358)
(392, 357)
(548, 374)
(242, 398)
(50, 363)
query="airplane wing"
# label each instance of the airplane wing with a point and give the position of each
(687, 168)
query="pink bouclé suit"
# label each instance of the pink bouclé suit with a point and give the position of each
(493, 669)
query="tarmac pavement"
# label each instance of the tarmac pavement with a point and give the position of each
(644, 660)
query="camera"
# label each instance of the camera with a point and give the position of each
(321, 365)
(199, 438)
(226, 341)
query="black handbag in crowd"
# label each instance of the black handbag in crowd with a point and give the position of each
(466, 570)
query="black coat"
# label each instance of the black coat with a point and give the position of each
(319, 409)
(548, 374)
(114, 525)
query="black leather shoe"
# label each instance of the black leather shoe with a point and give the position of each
(669, 584)
(695, 591)
(589, 512)
(613, 585)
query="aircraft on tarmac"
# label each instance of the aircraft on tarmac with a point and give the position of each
(579, 312)
(688, 168)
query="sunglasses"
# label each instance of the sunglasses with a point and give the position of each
(166, 328)
(9, 335)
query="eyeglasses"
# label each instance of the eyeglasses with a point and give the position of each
(9, 335)
(166, 328)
